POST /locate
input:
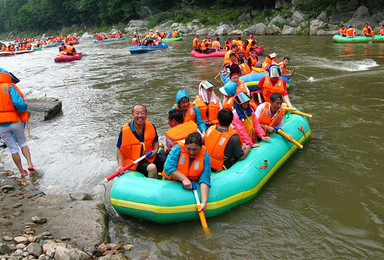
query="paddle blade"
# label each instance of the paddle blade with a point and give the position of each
(203, 221)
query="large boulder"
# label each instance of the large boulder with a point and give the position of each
(327, 33)
(255, 29)
(288, 30)
(223, 29)
(362, 16)
(277, 20)
(246, 17)
(205, 31)
(298, 2)
(279, 4)
(317, 25)
(136, 25)
(346, 6)
(44, 108)
(340, 18)
(299, 16)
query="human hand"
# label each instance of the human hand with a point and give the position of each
(255, 145)
(266, 138)
(187, 184)
(203, 207)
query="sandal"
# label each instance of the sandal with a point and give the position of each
(25, 173)
(31, 169)
(13, 176)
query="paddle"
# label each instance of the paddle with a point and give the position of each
(203, 221)
(288, 137)
(119, 172)
(293, 111)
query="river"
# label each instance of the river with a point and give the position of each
(326, 202)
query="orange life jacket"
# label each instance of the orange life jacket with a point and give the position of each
(216, 142)
(180, 132)
(269, 88)
(3, 48)
(132, 148)
(351, 32)
(343, 31)
(265, 117)
(284, 70)
(246, 69)
(196, 43)
(369, 32)
(216, 45)
(8, 112)
(242, 87)
(193, 170)
(228, 103)
(381, 33)
(212, 109)
(69, 49)
(227, 60)
(268, 61)
(254, 60)
(190, 113)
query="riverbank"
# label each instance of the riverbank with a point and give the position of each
(37, 225)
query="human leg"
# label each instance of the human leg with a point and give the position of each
(27, 154)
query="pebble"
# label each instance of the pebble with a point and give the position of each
(7, 238)
(38, 220)
(20, 246)
(7, 188)
(17, 205)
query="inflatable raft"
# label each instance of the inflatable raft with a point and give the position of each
(179, 38)
(6, 53)
(53, 44)
(64, 58)
(251, 79)
(143, 48)
(202, 55)
(164, 201)
(260, 50)
(110, 39)
(357, 39)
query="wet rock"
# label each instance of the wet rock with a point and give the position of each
(70, 254)
(20, 246)
(65, 238)
(17, 205)
(44, 108)
(7, 238)
(38, 220)
(119, 256)
(53, 245)
(80, 196)
(7, 188)
(34, 249)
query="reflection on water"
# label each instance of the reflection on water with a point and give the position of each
(326, 202)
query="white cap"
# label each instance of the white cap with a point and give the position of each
(222, 90)
(273, 55)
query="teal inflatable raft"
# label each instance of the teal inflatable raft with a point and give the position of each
(179, 38)
(251, 79)
(357, 39)
(165, 201)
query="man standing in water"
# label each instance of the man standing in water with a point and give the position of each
(13, 112)
(138, 137)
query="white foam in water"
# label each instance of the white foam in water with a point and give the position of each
(357, 65)
(310, 79)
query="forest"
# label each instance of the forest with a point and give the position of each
(38, 16)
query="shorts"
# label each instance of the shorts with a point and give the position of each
(159, 162)
(16, 141)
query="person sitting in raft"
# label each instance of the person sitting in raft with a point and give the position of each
(223, 144)
(196, 43)
(190, 112)
(270, 60)
(245, 69)
(208, 103)
(206, 45)
(189, 161)
(216, 44)
(245, 121)
(234, 75)
(381, 32)
(135, 40)
(71, 50)
(253, 59)
(227, 59)
(283, 67)
(351, 32)
(62, 49)
(271, 114)
(179, 130)
(136, 138)
(368, 31)
(175, 33)
(273, 82)
(229, 92)
(343, 30)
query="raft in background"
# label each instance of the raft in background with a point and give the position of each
(144, 48)
(110, 39)
(251, 79)
(357, 39)
(53, 44)
(179, 38)
(202, 55)
(64, 58)
(164, 201)
(6, 53)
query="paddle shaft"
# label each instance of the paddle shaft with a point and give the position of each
(201, 213)
(289, 138)
(119, 172)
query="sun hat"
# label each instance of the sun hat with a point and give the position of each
(241, 98)
(205, 84)
(274, 71)
(273, 55)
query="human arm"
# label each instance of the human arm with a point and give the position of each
(239, 126)
(287, 101)
(199, 121)
(17, 99)
(120, 159)
(170, 167)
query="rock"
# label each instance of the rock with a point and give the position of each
(17, 205)
(362, 16)
(277, 20)
(38, 220)
(21, 239)
(80, 196)
(195, 21)
(317, 25)
(34, 249)
(136, 25)
(323, 16)
(346, 6)
(4, 249)
(44, 108)
(53, 245)
(7, 188)
(258, 29)
(7, 238)
(119, 256)
(298, 2)
(288, 30)
(20, 246)
(279, 4)
(246, 17)
(70, 254)
(340, 18)
(223, 30)
(299, 16)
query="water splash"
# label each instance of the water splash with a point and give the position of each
(357, 65)
(311, 79)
